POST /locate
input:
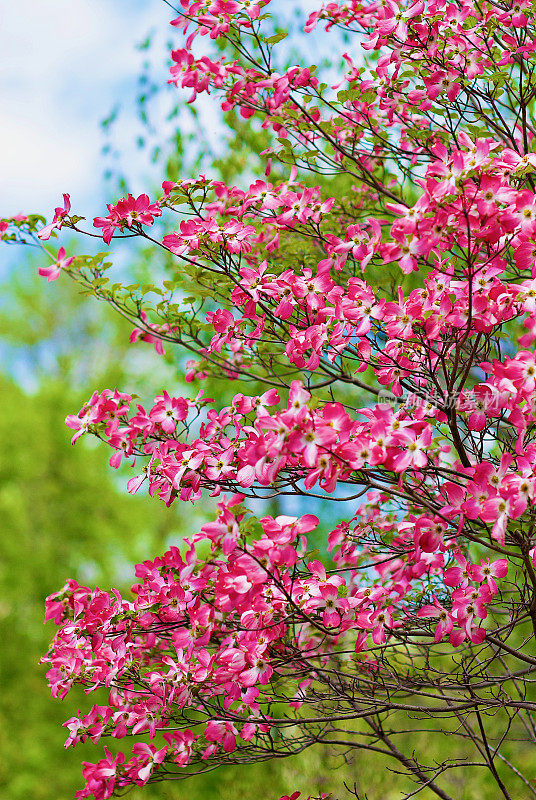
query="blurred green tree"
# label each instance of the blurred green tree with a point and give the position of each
(64, 512)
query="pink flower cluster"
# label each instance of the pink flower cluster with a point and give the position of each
(127, 212)
(201, 629)
(246, 444)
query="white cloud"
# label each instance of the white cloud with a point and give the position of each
(64, 64)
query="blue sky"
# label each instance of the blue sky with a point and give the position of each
(65, 63)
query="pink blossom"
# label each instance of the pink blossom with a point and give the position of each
(53, 272)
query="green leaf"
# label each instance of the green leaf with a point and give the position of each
(277, 37)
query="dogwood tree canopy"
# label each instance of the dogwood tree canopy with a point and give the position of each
(386, 332)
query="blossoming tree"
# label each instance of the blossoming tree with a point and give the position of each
(387, 333)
